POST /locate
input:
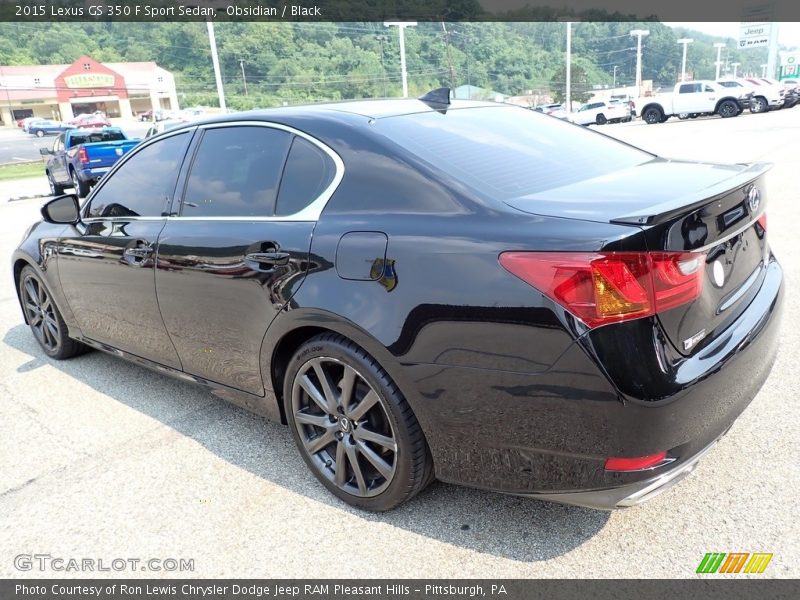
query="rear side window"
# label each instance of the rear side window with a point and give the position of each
(507, 152)
(689, 88)
(144, 184)
(307, 173)
(97, 136)
(235, 172)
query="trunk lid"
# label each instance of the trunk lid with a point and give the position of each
(709, 209)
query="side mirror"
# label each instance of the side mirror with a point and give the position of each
(45, 151)
(63, 210)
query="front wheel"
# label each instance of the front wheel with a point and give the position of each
(81, 187)
(55, 188)
(40, 133)
(759, 105)
(45, 321)
(652, 115)
(601, 120)
(352, 425)
(728, 109)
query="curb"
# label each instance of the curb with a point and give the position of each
(28, 197)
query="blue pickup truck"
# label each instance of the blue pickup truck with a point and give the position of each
(80, 157)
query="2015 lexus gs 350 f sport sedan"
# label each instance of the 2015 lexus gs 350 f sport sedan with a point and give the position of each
(428, 289)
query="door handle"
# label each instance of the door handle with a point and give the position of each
(272, 258)
(140, 252)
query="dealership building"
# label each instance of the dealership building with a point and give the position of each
(61, 92)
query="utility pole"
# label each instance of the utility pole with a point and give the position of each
(772, 55)
(614, 85)
(719, 46)
(639, 33)
(764, 70)
(568, 92)
(382, 39)
(401, 27)
(735, 68)
(212, 40)
(685, 42)
(244, 77)
(449, 58)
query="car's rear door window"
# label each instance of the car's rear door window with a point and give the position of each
(308, 172)
(235, 172)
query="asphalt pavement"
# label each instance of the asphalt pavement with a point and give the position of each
(102, 459)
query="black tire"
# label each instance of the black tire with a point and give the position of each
(371, 455)
(81, 187)
(683, 116)
(652, 115)
(759, 105)
(56, 189)
(44, 319)
(601, 119)
(728, 109)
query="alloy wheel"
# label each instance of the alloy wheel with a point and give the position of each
(41, 315)
(344, 427)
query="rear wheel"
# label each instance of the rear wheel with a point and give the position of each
(728, 109)
(353, 427)
(652, 115)
(44, 319)
(81, 187)
(39, 133)
(601, 119)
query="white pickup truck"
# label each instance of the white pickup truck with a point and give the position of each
(692, 98)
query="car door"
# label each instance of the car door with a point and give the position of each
(56, 163)
(688, 99)
(238, 248)
(107, 262)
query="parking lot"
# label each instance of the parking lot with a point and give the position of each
(102, 459)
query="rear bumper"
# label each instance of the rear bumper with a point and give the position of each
(631, 494)
(92, 175)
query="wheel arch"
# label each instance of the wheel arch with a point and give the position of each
(725, 99)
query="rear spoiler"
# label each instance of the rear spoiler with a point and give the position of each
(666, 211)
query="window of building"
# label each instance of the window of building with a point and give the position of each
(36, 81)
(87, 66)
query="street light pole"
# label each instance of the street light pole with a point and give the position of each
(764, 70)
(719, 46)
(639, 33)
(212, 40)
(568, 91)
(735, 68)
(244, 77)
(401, 26)
(685, 42)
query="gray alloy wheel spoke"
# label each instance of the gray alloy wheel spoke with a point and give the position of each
(32, 293)
(347, 385)
(352, 456)
(367, 402)
(31, 306)
(365, 435)
(319, 442)
(316, 420)
(35, 319)
(327, 386)
(341, 464)
(48, 336)
(381, 465)
(314, 393)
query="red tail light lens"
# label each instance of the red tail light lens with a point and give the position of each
(639, 463)
(83, 156)
(608, 287)
(762, 220)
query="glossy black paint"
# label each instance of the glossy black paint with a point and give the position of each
(513, 393)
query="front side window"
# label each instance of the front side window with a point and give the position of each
(58, 145)
(235, 172)
(688, 88)
(144, 184)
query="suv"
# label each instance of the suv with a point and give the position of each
(764, 96)
(601, 113)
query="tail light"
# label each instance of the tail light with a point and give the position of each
(83, 156)
(638, 463)
(762, 221)
(609, 287)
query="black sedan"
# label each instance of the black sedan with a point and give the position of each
(423, 289)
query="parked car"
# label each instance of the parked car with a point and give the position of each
(90, 121)
(693, 98)
(625, 99)
(764, 96)
(600, 113)
(80, 157)
(428, 289)
(150, 115)
(27, 122)
(162, 126)
(44, 127)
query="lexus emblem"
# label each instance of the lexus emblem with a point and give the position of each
(718, 273)
(753, 199)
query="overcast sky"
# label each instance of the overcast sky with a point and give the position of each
(788, 33)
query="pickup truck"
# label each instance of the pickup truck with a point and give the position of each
(692, 98)
(80, 157)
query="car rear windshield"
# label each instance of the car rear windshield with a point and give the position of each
(505, 152)
(97, 136)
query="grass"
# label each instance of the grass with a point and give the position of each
(21, 170)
